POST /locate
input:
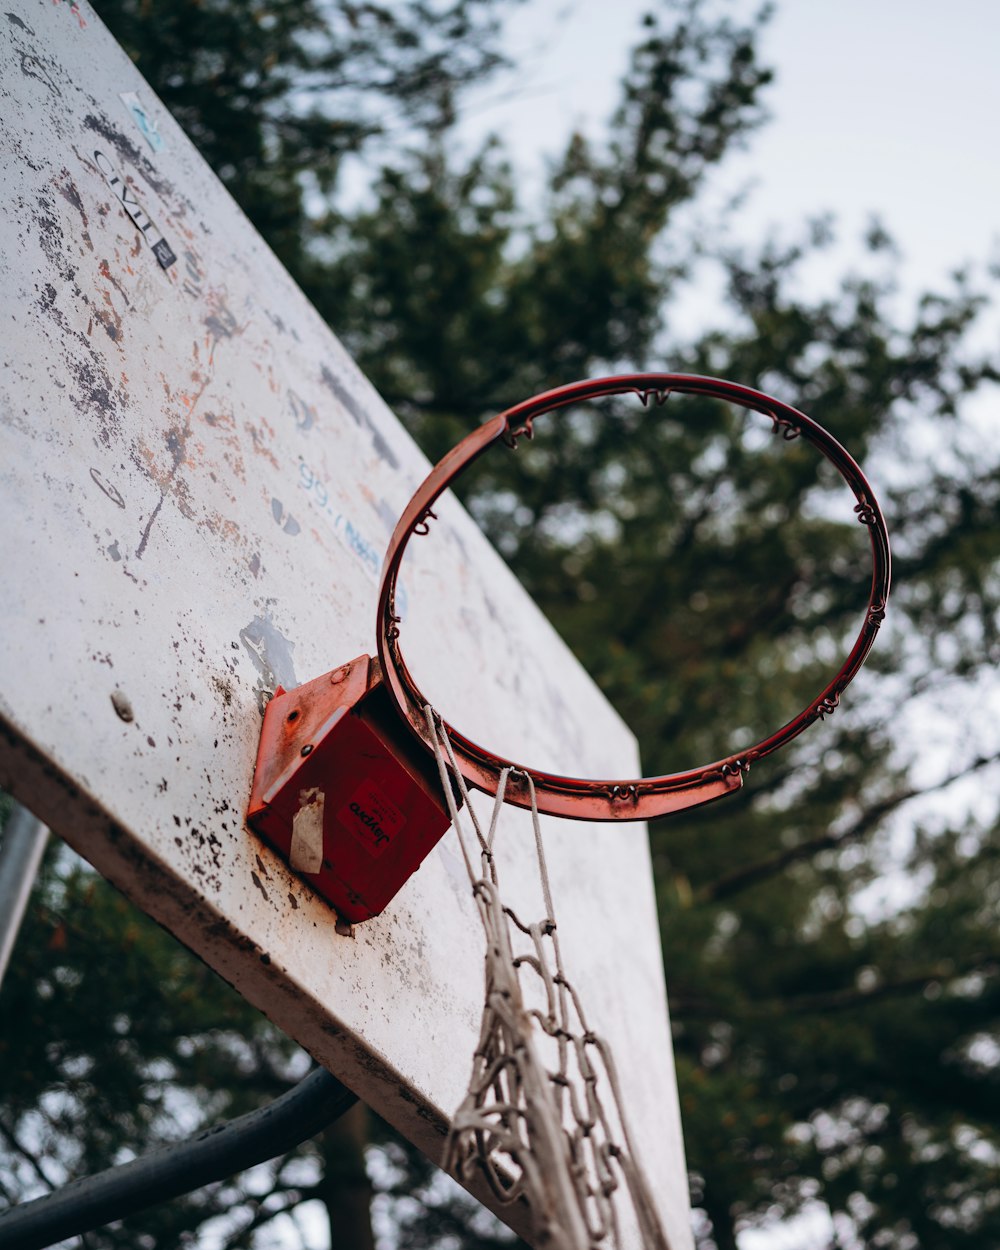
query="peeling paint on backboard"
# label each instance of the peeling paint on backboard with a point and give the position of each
(270, 653)
(306, 851)
(144, 120)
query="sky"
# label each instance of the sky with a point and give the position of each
(884, 107)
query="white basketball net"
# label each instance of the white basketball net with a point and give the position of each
(539, 1133)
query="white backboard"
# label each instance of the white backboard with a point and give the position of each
(197, 487)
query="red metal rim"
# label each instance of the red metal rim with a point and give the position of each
(645, 797)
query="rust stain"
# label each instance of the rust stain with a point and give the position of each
(66, 187)
(225, 528)
(109, 319)
(104, 269)
(220, 420)
(260, 436)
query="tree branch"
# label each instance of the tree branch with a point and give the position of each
(33, 1160)
(834, 1000)
(751, 874)
(263, 1215)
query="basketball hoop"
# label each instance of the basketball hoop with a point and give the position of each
(645, 797)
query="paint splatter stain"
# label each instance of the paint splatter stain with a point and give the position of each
(123, 706)
(31, 67)
(285, 519)
(110, 490)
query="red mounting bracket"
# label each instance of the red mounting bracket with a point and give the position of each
(343, 791)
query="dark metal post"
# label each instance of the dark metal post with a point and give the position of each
(218, 1152)
(21, 849)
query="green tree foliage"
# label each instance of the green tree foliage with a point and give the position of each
(279, 94)
(830, 934)
(831, 1046)
(115, 1039)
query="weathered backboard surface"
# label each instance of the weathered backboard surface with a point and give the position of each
(197, 487)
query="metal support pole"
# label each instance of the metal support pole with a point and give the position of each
(213, 1155)
(21, 849)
